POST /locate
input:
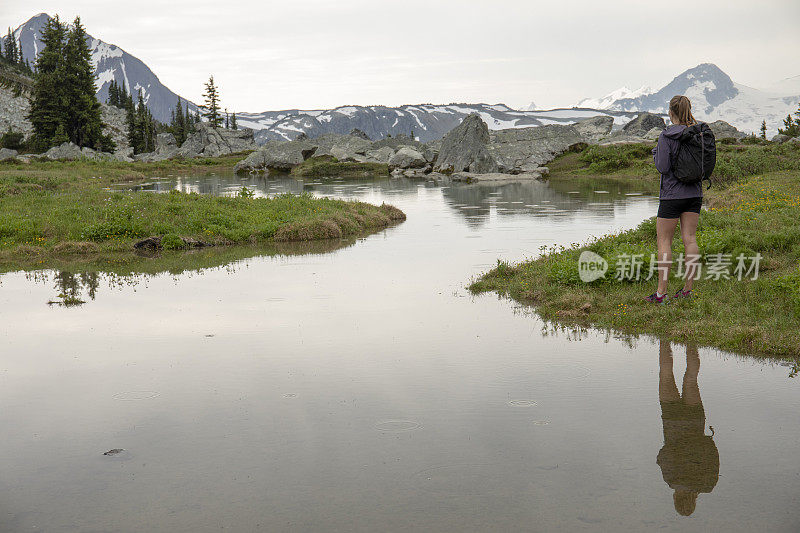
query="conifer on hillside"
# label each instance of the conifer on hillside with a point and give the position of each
(234, 126)
(211, 107)
(84, 124)
(47, 113)
(763, 129)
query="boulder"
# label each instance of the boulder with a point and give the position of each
(780, 138)
(214, 142)
(278, 155)
(165, 142)
(350, 148)
(723, 130)
(358, 133)
(381, 155)
(652, 135)
(794, 140)
(66, 151)
(642, 124)
(7, 153)
(407, 157)
(593, 129)
(526, 149)
(465, 148)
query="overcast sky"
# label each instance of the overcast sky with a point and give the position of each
(308, 54)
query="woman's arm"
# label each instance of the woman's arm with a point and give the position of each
(661, 155)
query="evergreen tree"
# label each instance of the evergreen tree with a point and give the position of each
(211, 107)
(178, 124)
(10, 49)
(791, 127)
(764, 129)
(84, 124)
(47, 109)
(234, 126)
(227, 120)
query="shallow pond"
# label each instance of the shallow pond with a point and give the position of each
(359, 387)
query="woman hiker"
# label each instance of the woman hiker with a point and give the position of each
(677, 202)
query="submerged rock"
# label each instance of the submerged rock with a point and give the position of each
(465, 148)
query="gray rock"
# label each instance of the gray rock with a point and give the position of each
(66, 151)
(794, 140)
(471, 177)
(214, 142)
(526, 149)
(7, 153)
(465, 148)
(381, 155)
(652, 135)
(780, 138)
(116, 125)
(358, 133)
(407, 157)
(593, 129)
(165, 142)
(723, 130)
(278, 155)
(643, 123)
(350, 148)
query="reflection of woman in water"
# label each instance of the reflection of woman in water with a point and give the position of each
(689, 459)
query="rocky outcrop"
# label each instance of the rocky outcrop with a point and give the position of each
(642, 124)
(64, 152)
(214, 142)
(349, 148)
(593, 129)
(278, 155)
(358, 133)
(7, 153)
(780, 138)
(14, 111)
(527, 149)
(116, 125)
(165, 142)
(723, 130)
(407, 157)
(381, 155)
(465, 148)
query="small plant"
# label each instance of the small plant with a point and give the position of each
(171, 241)
(244, 192)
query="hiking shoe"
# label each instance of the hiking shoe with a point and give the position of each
(654, 299)
(683, 294)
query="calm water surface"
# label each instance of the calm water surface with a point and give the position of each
(364, 389)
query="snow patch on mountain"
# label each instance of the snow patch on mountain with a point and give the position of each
(607, 101)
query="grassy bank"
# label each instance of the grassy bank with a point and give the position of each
(49, 211)
(753, 209)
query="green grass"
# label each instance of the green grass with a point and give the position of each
(759, 214)
(50, 210)
(328, 166)
(735, 160)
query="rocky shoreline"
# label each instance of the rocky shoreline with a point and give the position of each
(469, 152)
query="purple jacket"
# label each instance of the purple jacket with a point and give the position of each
(665, 150)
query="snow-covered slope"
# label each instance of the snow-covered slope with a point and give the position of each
(607, 101)
(715, 96)
(426, 122)
(110, 63)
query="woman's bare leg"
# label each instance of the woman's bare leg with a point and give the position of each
(691, 390)
(665, 231)
(667, 389)
(691, 252)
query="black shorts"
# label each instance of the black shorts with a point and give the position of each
(674, 208)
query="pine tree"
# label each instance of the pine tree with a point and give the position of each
(84, 124)
(227, 120)
(10, 48)
(178, 124)
(764, 129)
(211, 107)
(234, 126)
(47, 110)
(791, 127)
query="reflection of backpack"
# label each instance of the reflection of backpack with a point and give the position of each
(696, 156)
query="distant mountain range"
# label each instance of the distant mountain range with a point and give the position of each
(110, 63)
(714, 96)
